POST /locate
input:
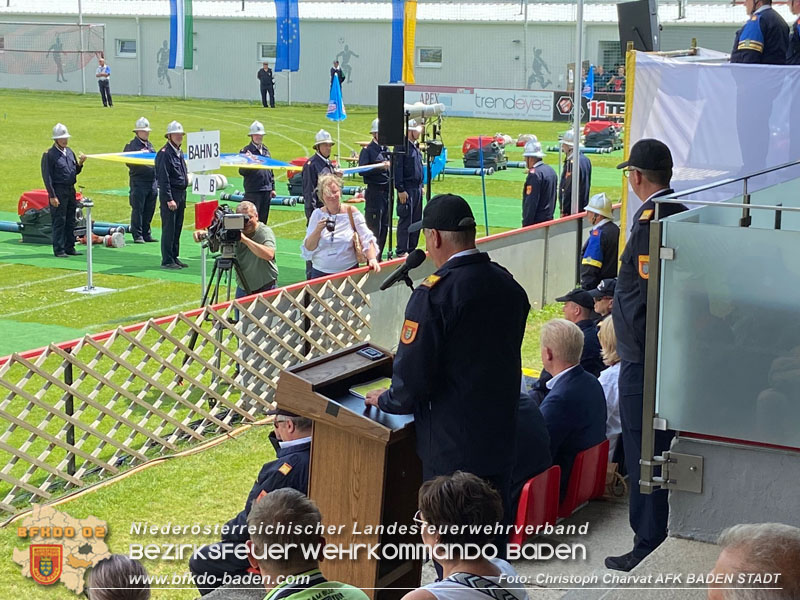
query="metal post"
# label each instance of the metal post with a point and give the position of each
(576, 100)
(139, 56)
(483, 185)
(69, 408)
(746, 219)
(202, 272)
(80, 55)
(525, 44)
(289, 87)
(184, 84)
(88, 204)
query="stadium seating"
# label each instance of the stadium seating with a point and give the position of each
(587, 479)
(538, 503)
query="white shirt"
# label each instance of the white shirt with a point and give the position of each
(463, 253)
(296, 442)
(450, 590)
(106, 71)
(609, 379)
(550, 384)
(600, 224)
(335, 252)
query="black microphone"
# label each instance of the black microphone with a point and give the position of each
(413, 260)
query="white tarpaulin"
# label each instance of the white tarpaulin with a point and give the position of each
(719, 120)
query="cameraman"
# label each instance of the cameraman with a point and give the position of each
(255, 253)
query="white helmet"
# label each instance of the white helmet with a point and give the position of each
(600, 205)
(414, 126)
(142, 124)
(256, 128)
(533, 148)
(60, 132)
(374, 128)
(568, 138)
(323, 137)
(174, 127)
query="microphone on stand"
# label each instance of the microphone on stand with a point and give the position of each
(413, 260)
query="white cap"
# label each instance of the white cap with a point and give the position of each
(323, 137)
(413, 125)
(256, 128)
(60, 132)
(374, 128)
(568, 138)
(533, 148)
(600, 205)
(174, 127)
(142, 124)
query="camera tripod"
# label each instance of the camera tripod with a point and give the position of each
(223, 264)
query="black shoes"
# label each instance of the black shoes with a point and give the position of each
(73, 252)
(171, 267)
(61, 255)
(626, 562)
(150, 239)
(138, 240)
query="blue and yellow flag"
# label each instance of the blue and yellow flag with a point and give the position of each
(404, 29)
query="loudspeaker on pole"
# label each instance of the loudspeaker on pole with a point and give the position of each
(391, 118)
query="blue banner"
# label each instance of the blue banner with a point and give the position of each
(287, 20)
(588, 84)
(336, 110)
(398, 20)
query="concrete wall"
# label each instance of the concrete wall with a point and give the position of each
(226, 57)
(741, 484)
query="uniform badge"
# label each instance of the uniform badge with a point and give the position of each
(528, 190)
(285, 468)
(429, 282)
(46, 562)
(646, 215)
(644, 266)
(263, 493)
(409, 332)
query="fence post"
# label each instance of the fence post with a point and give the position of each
(70, 410)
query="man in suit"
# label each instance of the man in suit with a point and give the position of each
(533, 446)
(575, 409)
(292, 440)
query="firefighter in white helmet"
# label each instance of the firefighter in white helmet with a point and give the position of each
(259, 184)
(541, 186)
(601, 249)
(376, 209)
(142, 183)
(59, 172)
(565, 185)
(173, 179)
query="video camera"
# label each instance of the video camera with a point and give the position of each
(225, 230)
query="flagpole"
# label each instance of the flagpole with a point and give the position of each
(338, 144)
(577, 91)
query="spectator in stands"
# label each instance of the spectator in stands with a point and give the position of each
(600, 78)
(294, 511)
(292, 438)
(532, 447)
(541, 186)
(616, 83)
(118, 578)
(455, 510)
(565, 184)
(579, 308)
(330, 236)
(758, 549)
(609, 380)
(764, 38)
(603, 296)
(575, 409)
(601, 249)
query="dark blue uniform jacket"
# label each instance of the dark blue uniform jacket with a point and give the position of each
(533, 446)
(408, 168)
(793, 53)
(600, 255)
(539, 195)
(457, 367)
(140, 173)
(315, 166)
(171, 172)
(762, 40)
(257, 180)
(374, 153)
(59, 169)
(565, 185)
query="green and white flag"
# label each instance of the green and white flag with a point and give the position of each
(181, 40)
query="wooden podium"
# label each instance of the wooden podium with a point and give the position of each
(364, 466)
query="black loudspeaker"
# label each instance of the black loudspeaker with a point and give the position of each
(638, 23)
(391, 118)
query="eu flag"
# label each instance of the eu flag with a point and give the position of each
(287, 19)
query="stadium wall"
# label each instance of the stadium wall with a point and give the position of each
(226, 56)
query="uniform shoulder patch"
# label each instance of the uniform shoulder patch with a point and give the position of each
(285, 468)
(430, 281)
(261, 495)
(647, 215)
(644, 266)
(409, 331)
(528, 190)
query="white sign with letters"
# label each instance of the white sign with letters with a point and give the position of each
(204, 185)
(202, 151)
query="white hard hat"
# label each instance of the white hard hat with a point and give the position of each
(256, 128)
(413, 125)
(142, 124)
(174, 127)
(568, 138)
(374, 128)
(600, 205)
(60, 132)
(533, 148)
(323, 137)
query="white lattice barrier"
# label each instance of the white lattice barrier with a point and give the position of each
(72, 415)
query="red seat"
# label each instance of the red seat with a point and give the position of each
(587, 479)
(538, 503)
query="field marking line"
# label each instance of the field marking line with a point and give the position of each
(167, 312)
(34, 282)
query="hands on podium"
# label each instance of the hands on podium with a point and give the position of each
(372, 396)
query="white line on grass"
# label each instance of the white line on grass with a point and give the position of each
(300, 220)
(78, 299)
(156, 313)
(27, 283)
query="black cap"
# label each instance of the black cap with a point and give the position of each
(445, 212)
(280, 412)
(605, 289)
(650, 155)
(579, 297)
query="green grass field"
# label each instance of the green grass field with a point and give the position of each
(34, 307)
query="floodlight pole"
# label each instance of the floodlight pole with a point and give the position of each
(576, 101)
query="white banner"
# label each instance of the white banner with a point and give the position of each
(719, 121)
(525, 105)
(202, 151)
